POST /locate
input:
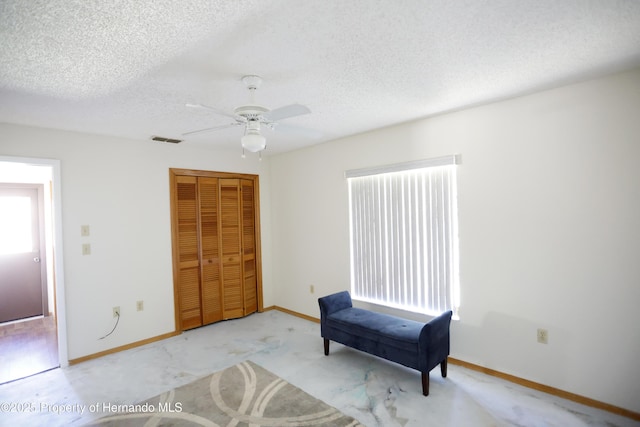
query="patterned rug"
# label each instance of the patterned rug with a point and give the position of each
(242, 395)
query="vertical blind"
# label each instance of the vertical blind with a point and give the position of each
(404, 235)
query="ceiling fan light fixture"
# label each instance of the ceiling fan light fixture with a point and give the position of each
(253, 141)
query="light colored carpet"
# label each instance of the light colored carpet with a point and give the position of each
(243, 395)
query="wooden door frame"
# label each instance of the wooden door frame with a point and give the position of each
(173, 174)
(55, 251)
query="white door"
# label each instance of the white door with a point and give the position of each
(23, 292)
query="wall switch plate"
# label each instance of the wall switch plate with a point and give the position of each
(312, 289)
(84, 230)
(86, 249)
(140, 305)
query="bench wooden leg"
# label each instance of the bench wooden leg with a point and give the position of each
(425, 383)
(443, 368)
(326, 347)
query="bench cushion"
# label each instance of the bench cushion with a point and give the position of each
(380, 328)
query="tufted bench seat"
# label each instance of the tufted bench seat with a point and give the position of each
(413, 344)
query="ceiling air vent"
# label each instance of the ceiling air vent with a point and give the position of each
(163, 139)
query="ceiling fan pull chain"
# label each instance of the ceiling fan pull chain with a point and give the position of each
(252, 92)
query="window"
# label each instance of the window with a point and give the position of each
(404, 235)
(16, 225)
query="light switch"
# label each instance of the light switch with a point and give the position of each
(86, 249)
(84, 230)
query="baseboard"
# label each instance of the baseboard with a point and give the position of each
(169, 335)
(162, 337)
(123, 347)
(512, 378)
(548, 389)
(293, 313)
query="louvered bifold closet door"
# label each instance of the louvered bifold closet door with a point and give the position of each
(211, 291)
(249, 248)
(232, 299)
(187, 252)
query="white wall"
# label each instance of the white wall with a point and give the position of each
(549, 204)
(549, 201)
(120, 188)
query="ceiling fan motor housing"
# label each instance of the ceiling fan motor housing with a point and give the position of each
(251, 112)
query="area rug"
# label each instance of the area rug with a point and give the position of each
(242, 395)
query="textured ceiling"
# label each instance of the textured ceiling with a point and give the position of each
(127, 68)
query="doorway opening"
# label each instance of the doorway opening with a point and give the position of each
(32, 312)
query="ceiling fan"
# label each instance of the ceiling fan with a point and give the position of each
(253, 117)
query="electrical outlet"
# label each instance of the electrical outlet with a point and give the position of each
(116, 311)
(543, 336)
(140, 305)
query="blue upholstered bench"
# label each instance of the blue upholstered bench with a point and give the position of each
(413, 344)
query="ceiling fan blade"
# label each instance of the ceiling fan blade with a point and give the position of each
(212, 129)
(297, 130)
(286, 112)
(215, 110)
